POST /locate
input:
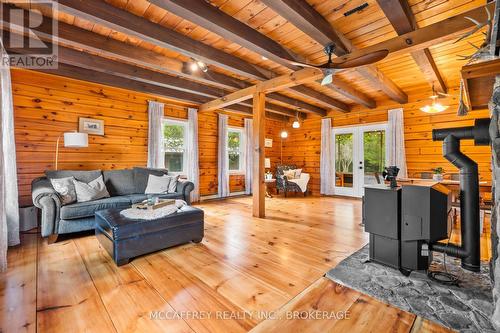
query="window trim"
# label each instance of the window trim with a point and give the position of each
(240, 130)
(183, 123)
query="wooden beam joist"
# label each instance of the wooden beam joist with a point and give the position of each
(400, 15)
(278, 83)
(307, 19)
(213, 19)
(76, 38)
(122, 21)
(436, 33)
(83, 74)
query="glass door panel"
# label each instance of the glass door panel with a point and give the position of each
(360, 157)
(344, 158)
(373, 156)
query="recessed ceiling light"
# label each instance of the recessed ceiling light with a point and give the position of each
(264, 58)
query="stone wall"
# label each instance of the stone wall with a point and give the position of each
(495, 231)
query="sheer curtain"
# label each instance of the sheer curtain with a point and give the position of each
(156, 158)
(395, 144)
(327, 167)
(248, 155)
(223, 169)
(9, 205)
(193, 170)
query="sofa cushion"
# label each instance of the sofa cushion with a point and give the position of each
(83, 176)
(141, 176)
(87, 209)
(92, 191)
(136, 198)
(174, 195)
(119, 182)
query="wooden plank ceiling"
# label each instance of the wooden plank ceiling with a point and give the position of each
(243, 42)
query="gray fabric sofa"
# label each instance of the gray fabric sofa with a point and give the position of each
(125, 187)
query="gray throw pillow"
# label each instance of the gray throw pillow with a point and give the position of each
(91, 191)
(158, 184)
(172, 187)
(65, 188)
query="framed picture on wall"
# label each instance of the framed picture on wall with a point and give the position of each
(91, 126)
(268, 143)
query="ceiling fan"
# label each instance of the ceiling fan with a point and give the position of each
(330, 67)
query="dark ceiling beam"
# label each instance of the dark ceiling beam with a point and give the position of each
(400, 15)
(122, 21)
(215, 20)
(84, 74)
(81, 39)
(307, 19)
(75, 58)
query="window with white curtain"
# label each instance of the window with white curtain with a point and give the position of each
(235, 149)
(174, 140)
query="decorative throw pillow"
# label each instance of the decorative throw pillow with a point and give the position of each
(172, 187)
(290, 174)
(65, 188)
(298, 172)
(94, 190)
(158, 184)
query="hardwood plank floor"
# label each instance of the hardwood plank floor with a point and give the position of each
(248, 274)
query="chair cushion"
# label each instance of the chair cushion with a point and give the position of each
(141, 176)
(119, 182)
(87, 209)
(83, 176)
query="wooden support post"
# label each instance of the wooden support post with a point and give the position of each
(258, 186)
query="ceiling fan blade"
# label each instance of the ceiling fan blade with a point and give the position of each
(363, 60)
(328, 79)
(301, 64)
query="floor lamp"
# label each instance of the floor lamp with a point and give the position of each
(72, 140)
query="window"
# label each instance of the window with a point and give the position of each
(174, 140)
(235, 149)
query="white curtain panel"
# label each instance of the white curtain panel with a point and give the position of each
(9, 205)
(248, 155)
(327, 167)
(193, 170)
(223, 168)
(395, 144)
(156, 158)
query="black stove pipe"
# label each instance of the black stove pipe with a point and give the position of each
(469, 251)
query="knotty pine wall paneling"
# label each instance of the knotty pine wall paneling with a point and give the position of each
(45, 106)
(302, 147)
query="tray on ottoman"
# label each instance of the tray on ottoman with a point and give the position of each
(126, 238)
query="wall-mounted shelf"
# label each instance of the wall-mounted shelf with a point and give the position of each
(479, 79)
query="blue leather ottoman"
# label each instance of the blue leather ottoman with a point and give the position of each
(125, 238)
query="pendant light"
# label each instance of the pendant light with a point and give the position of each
(434, 107)
(296, 123)
(284, 133)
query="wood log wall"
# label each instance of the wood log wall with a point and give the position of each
(45, 106)
(303, 145)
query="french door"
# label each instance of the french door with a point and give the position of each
(360, 157)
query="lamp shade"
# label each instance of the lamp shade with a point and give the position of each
(267, 163)
(76, 140)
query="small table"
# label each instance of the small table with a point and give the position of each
(269, 183)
